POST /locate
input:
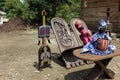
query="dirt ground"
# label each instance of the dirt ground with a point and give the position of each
(19, 58)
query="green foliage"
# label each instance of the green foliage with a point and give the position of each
(16, 8)
(11, 7)
(69, 10)
(1, 4)
(30, 10)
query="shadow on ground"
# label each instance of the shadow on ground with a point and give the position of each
(54, 57)
(80, 75)
(57, 58)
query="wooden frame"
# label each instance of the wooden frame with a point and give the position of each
(101, 63)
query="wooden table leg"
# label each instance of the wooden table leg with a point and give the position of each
(108, 72)
(98, 69)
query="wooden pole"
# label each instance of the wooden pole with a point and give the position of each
(44, 13)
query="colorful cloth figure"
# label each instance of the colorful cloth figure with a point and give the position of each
(85, 34)
(92, 46)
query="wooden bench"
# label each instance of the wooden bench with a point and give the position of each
(101, 63)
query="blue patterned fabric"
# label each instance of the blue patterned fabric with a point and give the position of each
(102, 24)
(91, 47)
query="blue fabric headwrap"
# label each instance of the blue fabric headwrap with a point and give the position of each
(102, 24)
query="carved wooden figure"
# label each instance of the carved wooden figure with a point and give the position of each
(44, 53)
(44, 56)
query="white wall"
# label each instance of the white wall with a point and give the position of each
(1, 20)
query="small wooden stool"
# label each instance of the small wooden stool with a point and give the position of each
(101, 63)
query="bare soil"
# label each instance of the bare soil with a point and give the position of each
(19, 59)
(15, 24)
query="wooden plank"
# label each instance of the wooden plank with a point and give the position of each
(97, 3)
(100, 1)
(111, 1)
(93, 1)
(106, 4)
(104, 9)
(94, 20)
(99, 11)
